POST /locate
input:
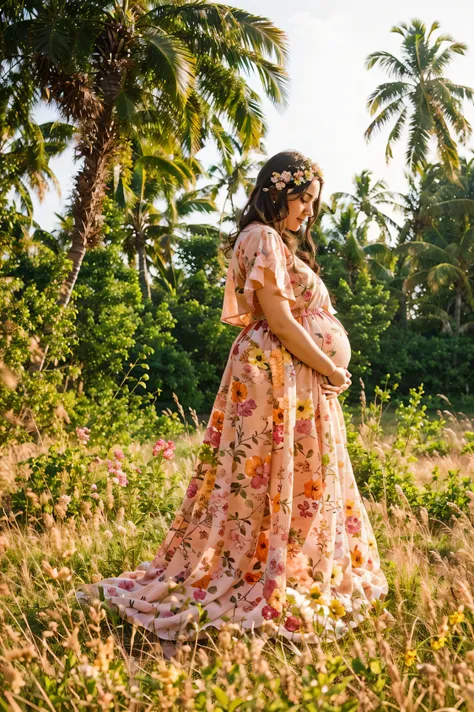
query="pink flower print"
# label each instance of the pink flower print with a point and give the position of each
(277, 567)
(353, 525)
(307, 295)
(268, 612)
(126, 585)
(268, 588)
(244, 409)
(305, 509)
(259, 480)
(278, 431)
(166, 614)
(212, 437)
(328, 338)
(304, 426)
(235, 350)
(192, 489)
(292, 623)
(199, 594)
(112, 591)
(237, 540)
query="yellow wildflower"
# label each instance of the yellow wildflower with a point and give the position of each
(336, 609)
(438, 642)
(410, 657)
(456, 618)
(315, 593)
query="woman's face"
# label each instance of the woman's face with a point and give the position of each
(301, 206)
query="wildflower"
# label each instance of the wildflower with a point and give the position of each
(457, 617)
(121, 530)
(304, 409)
(410, 657)
(268, 612)
(315, 593)
(166, 448)
(292, 623)
(438, 642)
(119, 454)
(83, 435)
(94, 488)
(336, 609)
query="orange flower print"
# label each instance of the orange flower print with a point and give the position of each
(217, 419)
(202, 582)
(239, 392)
(276, 503)
(313, 489)
(349, 507)
(262, 548)
(255, 465)
(357, 558)
(253, 577)
(278, 416)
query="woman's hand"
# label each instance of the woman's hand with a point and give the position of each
(332, 390)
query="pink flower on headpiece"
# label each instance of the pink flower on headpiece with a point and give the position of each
(286, 176)
(280, 185)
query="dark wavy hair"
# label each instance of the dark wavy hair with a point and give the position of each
(271, 207)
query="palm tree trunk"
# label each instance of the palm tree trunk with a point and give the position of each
(403, 310)
(88, 196)
(142, 270)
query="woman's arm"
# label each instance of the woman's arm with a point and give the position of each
(291, 334)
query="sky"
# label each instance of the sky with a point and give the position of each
(326, 115)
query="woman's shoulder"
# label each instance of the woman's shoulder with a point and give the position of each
(256, 232)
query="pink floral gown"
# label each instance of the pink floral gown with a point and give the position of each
(272, 525)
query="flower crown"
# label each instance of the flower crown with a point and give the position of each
(303, 174)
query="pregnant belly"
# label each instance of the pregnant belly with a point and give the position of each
(330, 336)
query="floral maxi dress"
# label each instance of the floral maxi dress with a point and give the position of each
(272, 526)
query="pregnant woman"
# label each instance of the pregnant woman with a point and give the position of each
(272, 527)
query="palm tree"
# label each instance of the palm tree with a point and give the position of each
(442, 260)
(25, 151)
(421, 96)
(366, 198)
(172, 72)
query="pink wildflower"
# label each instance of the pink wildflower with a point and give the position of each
(93, 487)
(268, 612)
(83, 435)
(119, 454)
(292, 623)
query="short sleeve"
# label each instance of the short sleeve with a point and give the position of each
(258, 248)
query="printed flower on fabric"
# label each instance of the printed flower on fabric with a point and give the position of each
(353, 525)
(278, 434)
(217, 420)
(304, 427)
(212, 437)
(257, 358)
(253, 576)
(304, 409)
(245, 409)
(313, 489)
(262, 548)
(239, 392)
(357, 557)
